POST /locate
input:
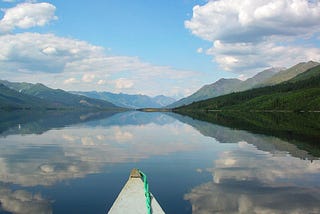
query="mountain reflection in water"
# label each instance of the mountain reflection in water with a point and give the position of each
(210, 168)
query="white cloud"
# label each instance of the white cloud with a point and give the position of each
(242, 77)
(101, 82)
(252, 56)
(88, 77)
(200, 50)
(70, 81)
(49, 51)
(243, 33)
(237, 20)
(43, 52)
(123, 83)
(27, 15)
(63, 62)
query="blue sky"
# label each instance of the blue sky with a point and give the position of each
(152, 47)
(152, 30)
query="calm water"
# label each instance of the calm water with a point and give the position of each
(78, 162)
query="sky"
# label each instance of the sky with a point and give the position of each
(169, 47)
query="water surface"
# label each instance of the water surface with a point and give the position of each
(63, 162)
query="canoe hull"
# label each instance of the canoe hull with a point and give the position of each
(132, 198)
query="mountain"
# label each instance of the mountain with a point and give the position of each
(226, 86)
(290, 73)
(311, 73)
(129, 101)
(301, 93)
(259, 78)
(163, 100)
(11, 99)
(40, 96)
(222, 86)
(267, 77)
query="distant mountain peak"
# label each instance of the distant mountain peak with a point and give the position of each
(130, 100)
(289, 73)
(225, 86)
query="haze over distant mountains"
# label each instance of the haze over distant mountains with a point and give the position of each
(223, 86)
(129, 101)
(14, 95)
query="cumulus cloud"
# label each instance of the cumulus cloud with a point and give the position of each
(243, 21)
(27, 15)
(238, 57)
(101, 82)
(43, 52)
(123, 83)
(70, 80)
(73, 64)
(88, 77)
(243, 33)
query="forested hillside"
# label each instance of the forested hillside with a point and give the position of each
(301, 93)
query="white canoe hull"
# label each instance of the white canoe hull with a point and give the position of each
(132, 198)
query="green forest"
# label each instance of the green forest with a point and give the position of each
(301, 93)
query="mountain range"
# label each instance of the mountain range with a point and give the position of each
(134, 101)
(15, 95)
(300, 93)
(267, 77)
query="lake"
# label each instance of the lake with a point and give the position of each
(77, 162)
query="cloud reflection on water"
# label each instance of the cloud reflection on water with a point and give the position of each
(253, 174)
(23, 202)
(58, 155)
(247, 180)
(74, 152)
